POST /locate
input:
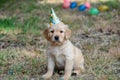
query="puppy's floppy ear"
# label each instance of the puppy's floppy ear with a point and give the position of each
(46, 34)
(67, 33)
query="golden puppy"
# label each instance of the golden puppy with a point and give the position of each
(61, 53)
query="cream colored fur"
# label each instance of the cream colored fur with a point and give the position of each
(62, 54)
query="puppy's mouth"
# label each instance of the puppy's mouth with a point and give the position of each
(57, 43)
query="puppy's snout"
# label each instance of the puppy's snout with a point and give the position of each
(56, 38)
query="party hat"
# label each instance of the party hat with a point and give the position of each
(53, 17)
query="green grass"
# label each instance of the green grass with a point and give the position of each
(29, 14)
(7, 24)
(22, 46)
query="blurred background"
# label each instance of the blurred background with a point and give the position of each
(23, 46)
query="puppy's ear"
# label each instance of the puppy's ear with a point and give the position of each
(46, 34)
(67, 33)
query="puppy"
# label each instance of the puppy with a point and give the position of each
(61, 53)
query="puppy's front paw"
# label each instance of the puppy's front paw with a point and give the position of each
(46, 76)
(62, 78)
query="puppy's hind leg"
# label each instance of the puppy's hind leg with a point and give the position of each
(81, 66)
(75, 72)
(78, 69)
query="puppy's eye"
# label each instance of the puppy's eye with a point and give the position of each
(61, 31)
(52, 31)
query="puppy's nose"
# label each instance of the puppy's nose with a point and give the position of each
(56, 38)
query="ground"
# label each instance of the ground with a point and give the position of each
(22, 44)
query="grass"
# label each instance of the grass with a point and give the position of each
(20, 64)
(7, 24)
(22, 46)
